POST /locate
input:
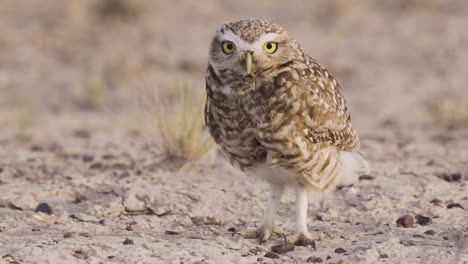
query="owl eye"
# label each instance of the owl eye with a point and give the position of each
(228, 47)
(270, 47)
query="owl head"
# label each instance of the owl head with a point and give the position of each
(241, 51)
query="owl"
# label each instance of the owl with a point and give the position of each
(278, 114)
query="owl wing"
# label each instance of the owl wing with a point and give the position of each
(328, 120)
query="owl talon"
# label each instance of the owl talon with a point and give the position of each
(301, 239)
(262, 234)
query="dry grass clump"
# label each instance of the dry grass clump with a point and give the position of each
(449, 110)
(181, 135)
(121, 9)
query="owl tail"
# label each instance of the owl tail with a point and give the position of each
(352, 166)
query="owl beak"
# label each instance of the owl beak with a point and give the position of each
(248, 62)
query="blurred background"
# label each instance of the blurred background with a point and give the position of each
(401, 63)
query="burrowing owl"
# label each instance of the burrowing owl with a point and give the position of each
(280, 115)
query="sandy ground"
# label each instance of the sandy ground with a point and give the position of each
(73, 136)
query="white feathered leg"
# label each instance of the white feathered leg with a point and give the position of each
(302, 236)
(268, 225)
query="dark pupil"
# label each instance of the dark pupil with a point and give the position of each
(269, 46)
(229, 46)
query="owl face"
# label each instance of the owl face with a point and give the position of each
(242, 51)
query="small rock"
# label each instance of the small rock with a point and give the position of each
(208, 220)
(79, 254)
(232, 229)
(418, 236)
(79, 198)
(451, 177)
(96, 166)
(330, 215)
(171, 232)
(259, 259)
(159, 211)
(313, 259)
(108, 157)
(342, 262)
(436, 201)
(129, 228)
(69, 235)
(366, 177)
(423, 220)
(405, 221)
(454, 205)
(37, 148)
(128, 241)
(85, 234)
(87, 157)
(328, 257)
(340, 250)
(430, 232)
(44, 208)
(133, 204)
(255, 250)
(383, 255)
(282, 249)
(271, 255)
(81, 133)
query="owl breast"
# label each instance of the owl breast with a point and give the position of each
(293, 119)
(251, 127)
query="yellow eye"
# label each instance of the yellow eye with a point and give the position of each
(270, 47)
(228, 47)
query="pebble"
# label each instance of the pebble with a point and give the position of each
(208, 220)
(405, 221)
(87, 157)
(313, 259)
(340, 250)
(79, 198)
(454, 205)
(128, 241)
(85, 234)
(436, 201)
(96, 166)
(37, 148)
(423, 220)
(129, 228)
(171, 232)
(255, 250)
(232, 229)
(44, 208)
(282, 249)
(271, 255)
(79, 254)
(430, 232)
(451, 177)
(342, 262)
(366, 177)
(69, 235)
(383, 255)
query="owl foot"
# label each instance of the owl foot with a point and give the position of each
(301, 239)
(262, 234)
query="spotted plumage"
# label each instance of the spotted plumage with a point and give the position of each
(278, 115)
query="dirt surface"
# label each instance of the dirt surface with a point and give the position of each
(73, 135)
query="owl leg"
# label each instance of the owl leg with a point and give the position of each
(268, 227)
(302, 236)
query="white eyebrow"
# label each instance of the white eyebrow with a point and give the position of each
(256, 46)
